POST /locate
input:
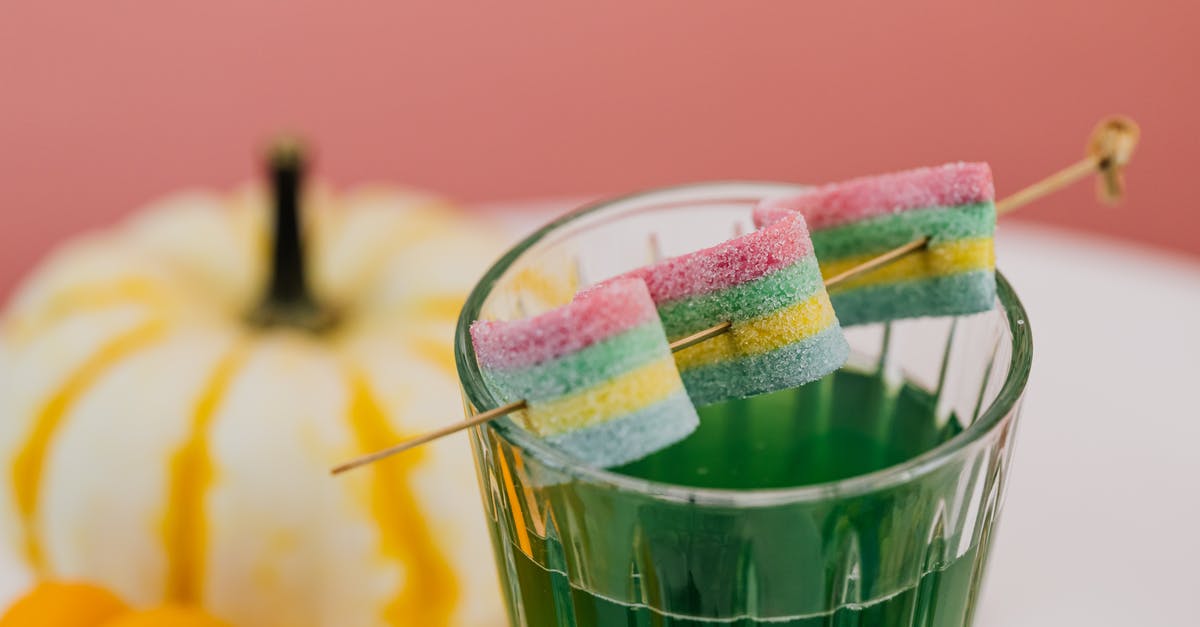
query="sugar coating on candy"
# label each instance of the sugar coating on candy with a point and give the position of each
(742, 302)
(632, 437)
(730, 263)
(850, 201)
(595, 364)
(947, 279)
(952, 295)
(641, 387)
(785, 349)
(964, 255)
(768, 285)
(784, 326)
(595, 314)
(882, 233)
(598, 379)
(787, 367)
(852, 222)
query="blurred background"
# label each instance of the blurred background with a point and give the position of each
(105, 106)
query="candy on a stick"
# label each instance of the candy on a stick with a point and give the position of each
(768, 285)
(955, 205)
(852, 221)
(596, 374)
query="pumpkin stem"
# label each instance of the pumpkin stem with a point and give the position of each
(288, 300)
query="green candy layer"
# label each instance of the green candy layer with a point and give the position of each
(956, 294)
(882, 233)
(631, 437)
(595, 364)
(785, 367)
(752, 299)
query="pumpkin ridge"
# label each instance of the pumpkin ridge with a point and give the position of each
(440, 306)
(429, 591)
(190, 476)
(376, 262)
(29, 463)
(435, 353)
(85, 299)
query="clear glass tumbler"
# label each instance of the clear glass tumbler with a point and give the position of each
(867, 498)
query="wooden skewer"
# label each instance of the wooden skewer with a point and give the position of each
(477, 419)
(876, 262)
(1052, 183)
(1109, 149)
(700, 336)
(492, 414)
(676, 346)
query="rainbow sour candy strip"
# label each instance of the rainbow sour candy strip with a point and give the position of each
(767, 283)
(856, 220)
(597, 375)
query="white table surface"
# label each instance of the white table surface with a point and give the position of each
(1101, 521)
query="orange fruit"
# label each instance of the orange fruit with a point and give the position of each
(166, 616)
(64, 605)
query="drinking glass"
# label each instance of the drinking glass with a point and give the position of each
(867, 498)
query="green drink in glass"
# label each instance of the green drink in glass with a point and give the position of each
(866, 498)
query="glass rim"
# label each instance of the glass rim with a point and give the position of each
(481, 399)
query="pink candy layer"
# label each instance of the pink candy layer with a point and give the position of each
(594, 315)
(728, 264)
(857, 199)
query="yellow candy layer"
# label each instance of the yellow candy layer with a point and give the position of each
(761, 335)
(944, 259)
(630, 392)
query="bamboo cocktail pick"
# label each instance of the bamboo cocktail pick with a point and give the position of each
(1109, 150)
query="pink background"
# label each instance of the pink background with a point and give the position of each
(106, 105)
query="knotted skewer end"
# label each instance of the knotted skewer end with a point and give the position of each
(1111, 145)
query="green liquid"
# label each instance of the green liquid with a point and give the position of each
(845, 425)
(942, 599)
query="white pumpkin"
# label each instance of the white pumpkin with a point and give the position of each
(154, 440)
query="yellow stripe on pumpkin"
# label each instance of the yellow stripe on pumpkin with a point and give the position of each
(191, 474)
(29, 464)
(87, 298)
(436, 352)
(614, 398)
(440, 307)
(430, 589)
(761, 335)
(945, 259)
